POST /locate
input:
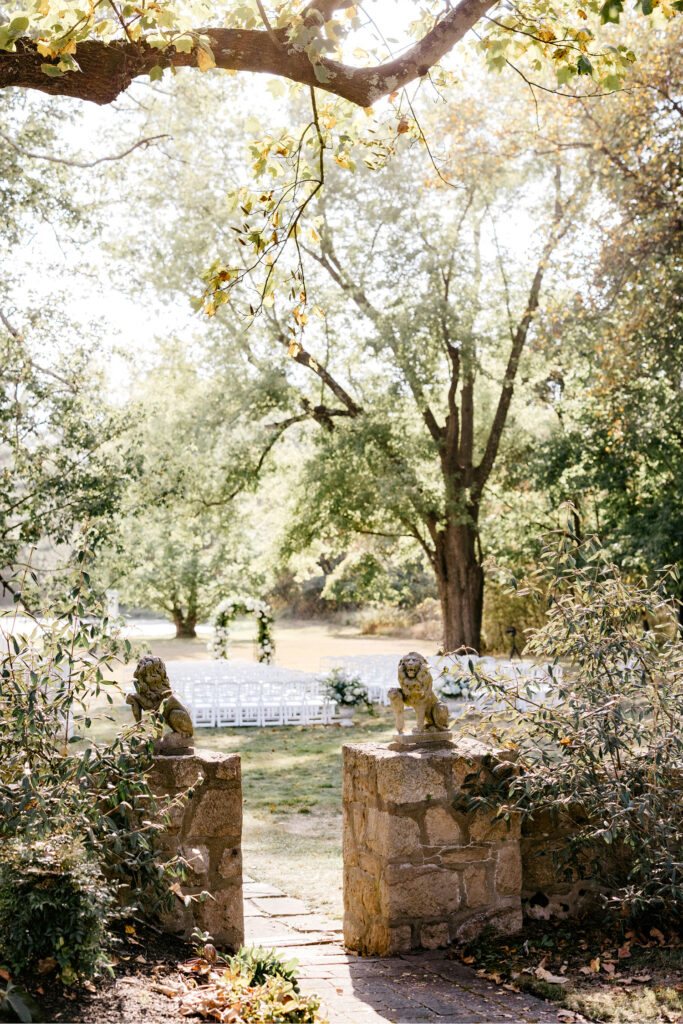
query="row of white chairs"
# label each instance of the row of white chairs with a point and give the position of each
(227, 694)
(378, 673)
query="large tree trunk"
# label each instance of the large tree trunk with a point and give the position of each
(460, 582)
(185, 624)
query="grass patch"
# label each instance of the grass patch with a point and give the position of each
(612, 974)
(291, 784)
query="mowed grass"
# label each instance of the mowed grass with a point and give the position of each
(291, 781)
(291, 788)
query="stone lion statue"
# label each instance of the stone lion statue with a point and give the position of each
(415, 690)
(153, 693)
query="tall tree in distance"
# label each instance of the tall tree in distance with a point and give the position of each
(446, 316)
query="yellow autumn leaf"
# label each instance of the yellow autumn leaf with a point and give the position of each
(205, 59)
(294, 349)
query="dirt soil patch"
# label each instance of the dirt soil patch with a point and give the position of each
(605, 972)
(140, 961)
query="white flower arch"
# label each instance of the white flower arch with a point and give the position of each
(226, 611)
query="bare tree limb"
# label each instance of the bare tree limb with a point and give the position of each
(78, 163)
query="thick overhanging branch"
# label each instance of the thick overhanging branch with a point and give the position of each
(108, 68)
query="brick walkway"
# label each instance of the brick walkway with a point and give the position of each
(409, 989)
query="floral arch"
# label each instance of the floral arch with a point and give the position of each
(229, 609)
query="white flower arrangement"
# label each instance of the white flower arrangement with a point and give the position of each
(455, 684)
(345, 689)
(226, 611)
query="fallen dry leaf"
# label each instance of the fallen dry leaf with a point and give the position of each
(595, 964)
(510, 987)
(552, 979)
(166, 990)
(608, 967)
(659, 936)
(624, 951)
(469, 960)
(46, 965)
(4, 974)
(140, 959)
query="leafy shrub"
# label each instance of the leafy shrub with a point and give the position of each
(53, 905)
(259, 964)
(503, 611)
(345, 688)
(49, 788)
(603, 752)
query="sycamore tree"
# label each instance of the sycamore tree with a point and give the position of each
(64, 454)
(416, 344)
(95, 51)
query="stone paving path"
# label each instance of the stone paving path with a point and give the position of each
(413, 988)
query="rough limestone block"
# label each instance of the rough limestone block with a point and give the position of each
(483, 830)
(441, 828)
(418, 872)
(478, 893)
(390, 836)
(409, 777)
(433, 936)
(216, 813)
(207, 831)
(508, 873)
(436, 893)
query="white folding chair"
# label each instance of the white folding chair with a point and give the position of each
(203, 705)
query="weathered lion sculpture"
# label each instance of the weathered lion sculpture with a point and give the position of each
(153, 693)
(415, 690)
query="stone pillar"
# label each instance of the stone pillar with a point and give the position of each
(207, 832)
(417, 873)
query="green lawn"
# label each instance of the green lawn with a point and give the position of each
(291, 780)
(292, 802)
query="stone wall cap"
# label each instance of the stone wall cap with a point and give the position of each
(215, 756)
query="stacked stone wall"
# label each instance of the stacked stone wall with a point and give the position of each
(417, 872)
(207, 832)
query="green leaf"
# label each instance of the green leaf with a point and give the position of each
(156, 73)
(51, 70)
(647, 6)
(611, 11)
(18, 25)
(584, 66)
(321, 73)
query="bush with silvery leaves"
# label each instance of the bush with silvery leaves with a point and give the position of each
(604, 757)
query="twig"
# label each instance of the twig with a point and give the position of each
(78, 163)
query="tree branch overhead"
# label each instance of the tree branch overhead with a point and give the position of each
(107, 68)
